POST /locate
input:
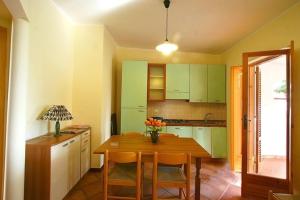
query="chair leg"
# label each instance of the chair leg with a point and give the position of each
(180, 193)
(142, 185)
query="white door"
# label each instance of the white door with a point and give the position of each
(59, 171)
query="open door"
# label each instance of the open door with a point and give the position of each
(266, 137)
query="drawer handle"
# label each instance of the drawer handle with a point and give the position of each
(83, 150)
(141, 106)
(72, 141)
(141, 111)
(178, 128)
(86, 133)
(65, 145)
(217, 100)
(86, 141)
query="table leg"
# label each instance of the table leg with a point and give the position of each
(197, 179)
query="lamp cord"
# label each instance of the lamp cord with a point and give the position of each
(167, 16)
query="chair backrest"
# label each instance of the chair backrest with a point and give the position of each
(123, 157)
(172, 159)
(167, 135)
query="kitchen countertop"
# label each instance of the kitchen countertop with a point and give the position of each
(202, 123)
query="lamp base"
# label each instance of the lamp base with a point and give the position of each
(57, 128)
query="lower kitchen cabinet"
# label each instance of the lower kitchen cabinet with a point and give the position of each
(59, 184)
(202, 135)
(85, 159)
(54, 165)
(219, 142)
(212, 139)
(133, 119)
(74, 161)
(181, 131)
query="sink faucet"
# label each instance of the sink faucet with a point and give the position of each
(206, 116)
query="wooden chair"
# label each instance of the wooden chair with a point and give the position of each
(122, 174)
(170, 177)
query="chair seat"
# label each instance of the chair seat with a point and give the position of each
(170, 174)
(126, 172)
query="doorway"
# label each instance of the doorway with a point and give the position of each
(269, 143)
(266, 131)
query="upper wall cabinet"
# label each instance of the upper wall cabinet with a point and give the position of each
(198, 83)
(216, 84)
(156, 82)
(177, 83)
(134, 84)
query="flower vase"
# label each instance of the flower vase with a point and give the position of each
(154, 136)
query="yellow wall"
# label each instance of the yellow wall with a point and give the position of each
(275, 35)
(92, 85)
(153, 56)
(50, 71)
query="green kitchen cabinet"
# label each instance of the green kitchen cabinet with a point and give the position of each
(202, 135)
(177, 81)
(181, 131)
(163, 130)
(216, 83)
(219, 142)
(133, 119)
(134, 84)
(198, 83)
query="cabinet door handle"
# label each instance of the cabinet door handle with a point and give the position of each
(72, 141)
(200, 128)
(65, 145)
(141, 106)
(86, 141)
(141, 111)
(217, 100)
(177, 128)
(86, 133)
(83, 150)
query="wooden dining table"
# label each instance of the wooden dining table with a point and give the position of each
(143, 144)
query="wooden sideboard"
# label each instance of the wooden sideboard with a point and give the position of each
(53, 165)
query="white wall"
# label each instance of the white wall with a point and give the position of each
(92, 85)
(50, 72)
(41, 71)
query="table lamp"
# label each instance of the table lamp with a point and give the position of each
(57, 113)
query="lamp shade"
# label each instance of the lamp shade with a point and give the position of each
(57, 113)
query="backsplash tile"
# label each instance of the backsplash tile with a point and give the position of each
(179, 109)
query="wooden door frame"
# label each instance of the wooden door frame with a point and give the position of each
(285, 185)
(233, 119)
(3, 104)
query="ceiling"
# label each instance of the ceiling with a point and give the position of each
(209, 26)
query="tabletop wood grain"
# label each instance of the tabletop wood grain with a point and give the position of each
(144, 145)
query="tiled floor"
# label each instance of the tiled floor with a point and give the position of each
(217, 183)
